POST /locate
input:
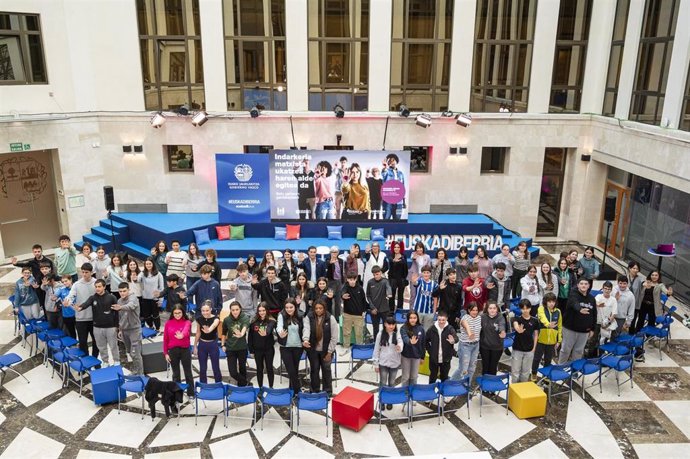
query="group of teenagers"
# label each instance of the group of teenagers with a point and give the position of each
(306, 304)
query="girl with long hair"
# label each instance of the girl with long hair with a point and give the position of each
(397, 275)
(261, 342)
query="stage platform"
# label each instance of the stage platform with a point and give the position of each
(138, 232)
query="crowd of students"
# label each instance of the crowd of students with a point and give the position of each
(303, 303)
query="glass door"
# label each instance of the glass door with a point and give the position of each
(551, 191)
(618, 227)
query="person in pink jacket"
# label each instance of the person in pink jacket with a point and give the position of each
(176, 338)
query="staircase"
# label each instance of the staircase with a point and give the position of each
(103, 234)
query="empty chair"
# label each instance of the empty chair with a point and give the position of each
(60, 354)
(393, 396)
(210, 391)
(493, 383)
(237, 396)
(82, 365)
(45, 336)
(450, 388)
(148, 334)
(312, 402)
(132, 383)
(560, 374)
(619, 364)
(7, 361)
(275, 397)
(424, 393)
(362, 352)
(583, 367)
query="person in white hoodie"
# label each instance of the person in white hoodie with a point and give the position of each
(531, 289)
(625, 310)
(80, 292)
(387, 359)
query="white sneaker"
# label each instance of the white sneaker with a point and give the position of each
(104, 365)
(129, 358)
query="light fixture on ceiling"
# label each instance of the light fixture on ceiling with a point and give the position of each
(423, 120)
(158, 120)
(339, 111)
(199, 118)
(404, 111)
(254, 112)
(463, 119)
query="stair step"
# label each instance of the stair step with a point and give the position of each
(116, 225)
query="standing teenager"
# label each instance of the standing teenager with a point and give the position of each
(413, 337)
(397, 275)
(235, 327)
(491, 338)
(261, 342)
(151, 282)
(176, 340)
(290, 327)
(526, 329)
(387, 348)
(319, 337)
(206, 342)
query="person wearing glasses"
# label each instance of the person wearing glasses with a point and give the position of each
(176, 340)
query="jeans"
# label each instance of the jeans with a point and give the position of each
(397, 290)
(573, 346)
(84, 329)
(387, 376)
(324, 210)
(520, 365)
(132, 339)
(237, 366)
(391, 211)
(468, 353)
(106, 340)
(32, 311)
(545, 350)
(291, 357)
(410, 370)
(320, 367)
(206, 350)
(181, 355)
(261, 357)
(490, 359)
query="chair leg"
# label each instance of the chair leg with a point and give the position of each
(481, 399)
(141, 396)
(326, 421)
(468, 404)
(18, 373)
(618, 382)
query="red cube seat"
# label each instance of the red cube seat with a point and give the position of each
(353, 408)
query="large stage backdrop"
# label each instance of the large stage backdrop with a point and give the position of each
(288, 185)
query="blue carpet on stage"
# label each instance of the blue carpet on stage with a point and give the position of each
(138, 232)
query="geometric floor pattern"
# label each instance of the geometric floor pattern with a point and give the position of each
(649, 420)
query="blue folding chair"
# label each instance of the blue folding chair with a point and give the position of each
(275, 397)
(46, 335)
(661, 331)
(7, 361)
(312, 402)
(148, 334)
(210, 391)
(401, 316)
(619, 364)
(246, 395)
(61, 353)
(557, 374)
(493, 383)
(31, 327)
(361, 352)
(424, 393)
(393, 396)
(132, 383)
(15, 315)
(584, 367)
(82, 365)
(450, 388)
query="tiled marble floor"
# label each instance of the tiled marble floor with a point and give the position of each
(649, 420)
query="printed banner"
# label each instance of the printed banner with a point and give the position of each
(244, 195)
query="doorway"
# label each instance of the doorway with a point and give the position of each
(617, 232)
(551, 191)
(28, 202)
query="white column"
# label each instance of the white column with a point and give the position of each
(213, 49)
(381, 20)
(460, 86)
(297, 55)
(543, 53)
(678, 70)
(598, 53)
(629, 61)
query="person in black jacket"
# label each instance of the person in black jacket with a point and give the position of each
(440, 344)
(579, 321)
(397, 275)
(414, 339)
(335, 273)
(261, 342)
(450, 296)
(319, 337)
(105, 322)
(173, 293)
(211, 256)
(288, 268)
(355, 307)
(271, 290)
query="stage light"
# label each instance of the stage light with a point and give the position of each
(255, 112)
(463, 119)
(158, 120)
(339, 111)
(199, 118)
(423, 120)
(404, 111)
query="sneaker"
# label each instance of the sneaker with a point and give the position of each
(389, 407)
(129, 358)
(533, 377)
(343, 352)
(639, 358)
(104, 365)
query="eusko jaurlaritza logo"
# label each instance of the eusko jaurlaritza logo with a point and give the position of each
(243, 172)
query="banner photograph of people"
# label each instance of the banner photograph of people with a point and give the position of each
(333, 185)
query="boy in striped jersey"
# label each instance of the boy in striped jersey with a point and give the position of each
(426, 300)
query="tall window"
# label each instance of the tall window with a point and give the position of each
(570, 56)
(653, 60)
(685, 114)
(616, 57)
(338, 54)
(21, 49)
(255, 54)
(420, 57)
(503, 55)
(171, 59)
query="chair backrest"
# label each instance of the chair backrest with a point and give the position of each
(502, 378)
(137, 383)
(276, 397)
(624, 362)
(424, 392)
(210, 391)
(362, 351)
(394, 395)
(246, 394)
(452, 388)
(312, 402)
(55, 345)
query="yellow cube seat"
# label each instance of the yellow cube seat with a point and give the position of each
(526, 400)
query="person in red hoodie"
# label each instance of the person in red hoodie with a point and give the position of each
(176, 338)
(473, 288)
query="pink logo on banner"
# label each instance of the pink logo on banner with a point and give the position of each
(393, 191)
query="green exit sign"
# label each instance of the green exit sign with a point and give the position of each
(19, 146)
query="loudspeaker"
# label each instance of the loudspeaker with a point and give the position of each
(152, 358)
(610, 209)
(109, 198)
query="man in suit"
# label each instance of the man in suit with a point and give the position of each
(312, 267)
